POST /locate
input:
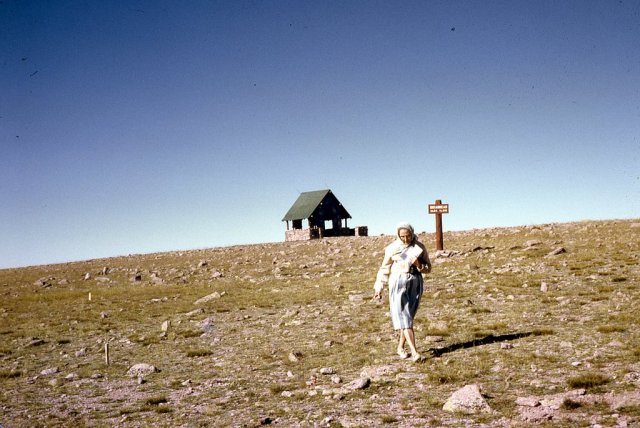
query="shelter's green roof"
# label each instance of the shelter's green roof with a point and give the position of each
(306, 203)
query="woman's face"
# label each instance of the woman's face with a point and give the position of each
(405, 236)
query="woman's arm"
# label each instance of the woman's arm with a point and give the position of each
(382, 277)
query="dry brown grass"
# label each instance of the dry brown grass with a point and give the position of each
(313, 299)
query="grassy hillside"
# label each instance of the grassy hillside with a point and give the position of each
(285, 329)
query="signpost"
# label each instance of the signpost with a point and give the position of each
(438, 209)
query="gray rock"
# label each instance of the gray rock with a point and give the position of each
(207, 298)
(557, 251)
(360, 383)
(207, 325)
(467, 400)
(327, 371)
(141, 369)
(49, 371)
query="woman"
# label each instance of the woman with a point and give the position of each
(404, 261)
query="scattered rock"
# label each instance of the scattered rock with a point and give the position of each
(557, 251)
(294, 356)
(208, 298)
(544, 287)
(217, 274)
(165, 326)
(35, 342)
(44, 282)
(360, 383)
(207, 325)
(467, 400)
(527, 401)
(141, 369)
(87, 276)
(327, 371)
(203, 263)
(49, 371)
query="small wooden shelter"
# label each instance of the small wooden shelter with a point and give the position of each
(325, 216)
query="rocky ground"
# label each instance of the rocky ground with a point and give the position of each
(524, 326)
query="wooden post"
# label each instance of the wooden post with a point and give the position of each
(438, 209)
(106, 353)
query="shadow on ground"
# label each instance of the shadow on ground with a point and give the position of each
(437, 352)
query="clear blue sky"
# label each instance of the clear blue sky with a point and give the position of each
(144, 126)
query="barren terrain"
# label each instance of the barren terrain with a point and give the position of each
(544, 319)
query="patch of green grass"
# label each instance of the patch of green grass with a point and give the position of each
(388, 419)
(437, 332)
(154, 401)
(611, 329)
(475, 310)
(9, 374)
(630, 410)
(278, 388)
(569, 404)
(190, 333)
(199, 352)
(588, 380)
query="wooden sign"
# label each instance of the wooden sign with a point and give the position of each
(438, 208)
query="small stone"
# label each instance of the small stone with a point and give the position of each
(327, 371)
(141, 369)
(87, 276)
(527, 401)
(104, 314)
(557, 251)
(467, 400)
(336, 379)
(203, 263)
(294, 356)
(50, 371)
(165, 326)
(544, 287)
(506, 346)
(207, 325)
(140, 380)
(82, 352)
(287, 394)
(207, 298)
(360, 383)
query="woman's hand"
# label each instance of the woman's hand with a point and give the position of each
(425, 269)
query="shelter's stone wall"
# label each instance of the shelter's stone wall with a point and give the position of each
(316, 233)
